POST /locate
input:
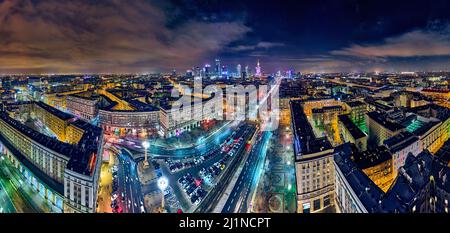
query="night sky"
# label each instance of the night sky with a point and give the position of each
(55, 36)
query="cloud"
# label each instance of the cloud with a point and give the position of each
(412, 44)
(259, 45)
(114, 36)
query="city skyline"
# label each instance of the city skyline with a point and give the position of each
(214, 106)
(46, 37)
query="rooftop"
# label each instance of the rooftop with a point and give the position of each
(367, 191)
(372, 157)
(88, 146)
(305, 142)
(432, 110)
(412, 181)
(444, 152)
(354, 104)
(88, 95)
(79, 155)
(139, 105)
(381, 119)
(326, 108)
(351, 127)
(400, 141)
(60, 114)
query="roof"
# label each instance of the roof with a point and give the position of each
(364, 188)
(380, 119)
(354, 104)
(78, 155)
(305, 142)
(142, 106)
(432, 110)
(49, 142)
(326, 108)
(351, 127)
(53, 184)
(412, 178)
(444, 152)
(411, 187)
(88, 146)
(400, 141)
(85, 95)
(60, 114)
(373, 157)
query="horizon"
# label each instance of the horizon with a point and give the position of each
(87, 37)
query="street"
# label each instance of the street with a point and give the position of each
(129, 183)
(249, 176)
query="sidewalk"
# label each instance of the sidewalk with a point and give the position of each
(105, 188)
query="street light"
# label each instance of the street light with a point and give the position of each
(162, 185)
(146, 145)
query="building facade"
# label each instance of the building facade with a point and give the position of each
(380, 129)
(56, 120)
(83, 107)
(313, 165)
(129, 121)
(55, 163)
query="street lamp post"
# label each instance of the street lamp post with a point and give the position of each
(146, 145)
(162, 185)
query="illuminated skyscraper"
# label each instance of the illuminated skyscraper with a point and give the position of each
(206, 70)
(218, 68)
(197, 71)
(238, 71)
(258, 70)
(224, 71)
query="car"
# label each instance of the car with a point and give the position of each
(166, 192)
(197, 201)
(114, 204)
(190, 191)
(202, 193)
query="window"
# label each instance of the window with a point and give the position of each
(317, 204)
(306, 207)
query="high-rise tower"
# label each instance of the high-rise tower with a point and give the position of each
(258, 70)
(218, 68)
(238, 71)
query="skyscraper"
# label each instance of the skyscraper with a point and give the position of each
(197, 72)
(238, 71)
(206, 70)
(218, 68)
(224, 71)
(258, 70)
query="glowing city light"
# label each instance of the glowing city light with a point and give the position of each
(146, 144)
(163, 183)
